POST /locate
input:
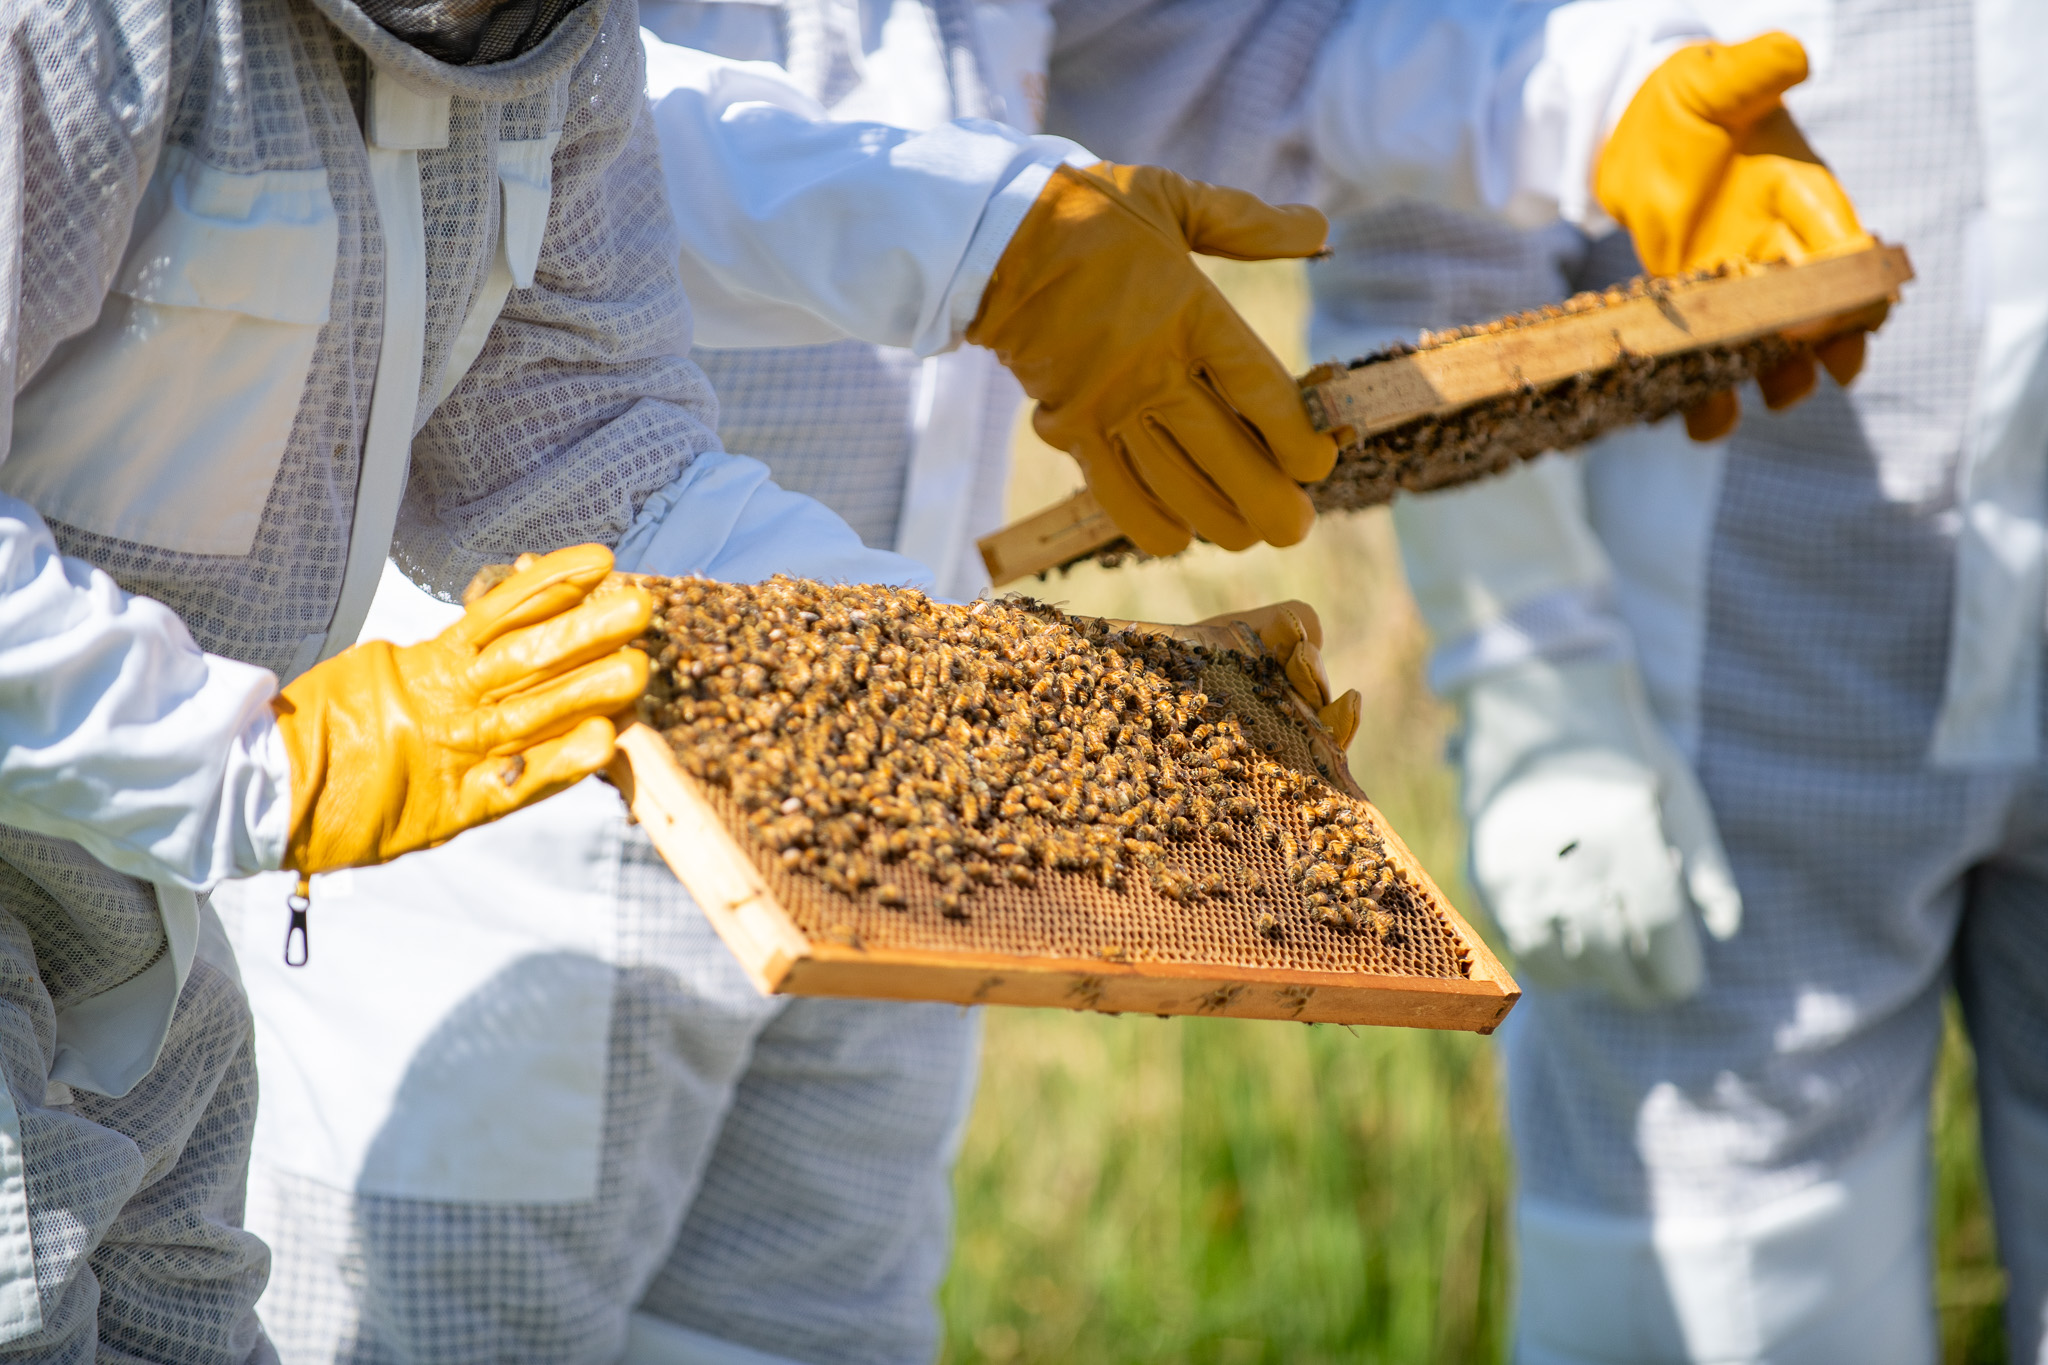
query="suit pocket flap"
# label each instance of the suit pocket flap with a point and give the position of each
(261, 244)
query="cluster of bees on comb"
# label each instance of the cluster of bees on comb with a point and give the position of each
(1491, 437)
(869, 734)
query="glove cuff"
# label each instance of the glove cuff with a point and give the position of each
(328, 829)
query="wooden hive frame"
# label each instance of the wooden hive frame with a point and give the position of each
(1659, 320)
(780, 958)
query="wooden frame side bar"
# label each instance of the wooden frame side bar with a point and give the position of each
(703, 854)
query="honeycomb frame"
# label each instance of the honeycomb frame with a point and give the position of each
(1067, 942)
(1474, 402)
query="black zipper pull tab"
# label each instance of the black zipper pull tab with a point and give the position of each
(299, 902)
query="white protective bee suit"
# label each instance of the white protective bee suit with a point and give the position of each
(644, 1128)
(1787, 685)
(591, 1140)
(576, 1091)
(284, 298)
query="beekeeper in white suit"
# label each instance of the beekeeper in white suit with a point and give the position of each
(597, 1113)
(258, 344)
(571, 1086)
(1752, 756)
(291, 290)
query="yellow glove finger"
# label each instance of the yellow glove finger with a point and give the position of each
(1124, 496)
(592, 629)
(1736, 84)
(1307, 676)
(502, 784)
(1219, 221)
(548, 586)
(1252, 382)
(1281, 625)
(1786, 384)
(603, 687)
(1843, 355)
(1342, 716)
(1816, 207)
(1234, 463)
(1713, 416)
(1175, 480)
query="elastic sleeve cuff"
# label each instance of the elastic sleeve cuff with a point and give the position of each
(999, 223)
(725, 518)
(257, 795)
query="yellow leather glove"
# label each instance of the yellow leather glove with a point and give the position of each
(1181, 419)
(1294, 633)
(1706, 166)
(396, 748)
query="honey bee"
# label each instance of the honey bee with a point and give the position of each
(861, 730)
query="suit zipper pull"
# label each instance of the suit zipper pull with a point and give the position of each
(299, 902)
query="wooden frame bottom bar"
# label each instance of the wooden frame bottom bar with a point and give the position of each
(1163, 989)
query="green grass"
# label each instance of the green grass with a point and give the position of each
(1225, 1192)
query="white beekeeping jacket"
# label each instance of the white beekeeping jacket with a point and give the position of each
(893, 249)
(260, 345)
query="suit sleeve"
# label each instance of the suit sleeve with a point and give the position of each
(116, 730)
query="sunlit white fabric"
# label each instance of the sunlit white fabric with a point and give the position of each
(1741, 1177)
(799, 230)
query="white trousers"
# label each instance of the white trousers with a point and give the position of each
(1745, 1177)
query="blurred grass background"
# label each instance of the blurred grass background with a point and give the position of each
(1229, 1192)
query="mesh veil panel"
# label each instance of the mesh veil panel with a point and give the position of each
(471, 32)
(832, 422)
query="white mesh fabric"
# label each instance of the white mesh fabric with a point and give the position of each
(840, 1265)
(1829, 596)
(93, 927)
(1214, 89)
(578, 408)
(580, 404)
(178, 1276)
(135, 1204)
(822, 1226)
(839, 423)
(1397, 270)
(832, 422)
